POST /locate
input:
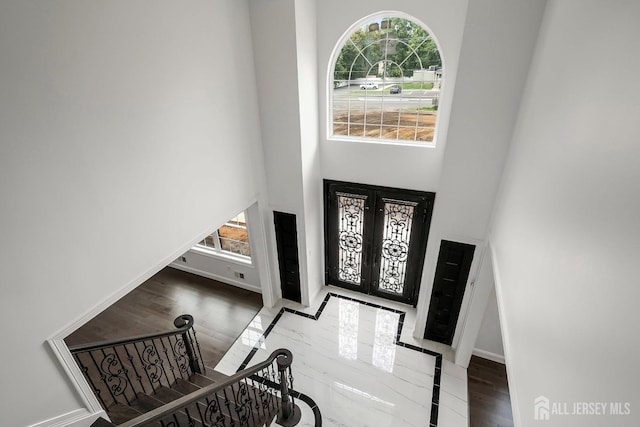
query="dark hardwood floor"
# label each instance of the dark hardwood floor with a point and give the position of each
(221, 312)
(489, 402)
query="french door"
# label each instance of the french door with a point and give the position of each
(375, 238)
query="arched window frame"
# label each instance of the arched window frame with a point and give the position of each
(331, 72)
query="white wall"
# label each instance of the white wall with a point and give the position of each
(273, 34)
(489, 344)
(480, 298)
(120, 125)
(566, 236)
(273, 31)
(284, 36)
(499, 37)
(218, 268)
(307, 66)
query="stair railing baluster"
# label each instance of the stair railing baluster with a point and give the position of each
(248, 403)
(173, 344)
(117, 389)
(103, 377)
(186, 370)
(240, 404)
(199, 408)
(190, 421)
(235, 402)
(201, 365)
(245, 401)
(256, 399)
(270, 394)
(261, 393)
(290, 377)
(217, 397)
(256, 396)
(157, 364)
(181, 360)
(236, 406)
(273, 378)
(84, 370)
(144, 367)
(227, 403)
(168, 361)
(135, 369)
(128, 381)
(160, 351)
(187, 356)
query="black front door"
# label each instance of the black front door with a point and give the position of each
(375, 238)
(452, 272)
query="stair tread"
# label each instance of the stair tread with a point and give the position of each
(214, 375)
(166, 395)
(184, 420)
(119, 413)
(184, 387)
(200, 380)
(145, 403)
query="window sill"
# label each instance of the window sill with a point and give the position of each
(389, 142)
(235, 259)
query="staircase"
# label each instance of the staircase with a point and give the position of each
(143, 403)
(160, 380)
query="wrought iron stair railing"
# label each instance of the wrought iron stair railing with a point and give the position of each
(119, 370)
(251, 397)
(123, 373)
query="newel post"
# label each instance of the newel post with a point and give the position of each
(186, 321)
(289, 414)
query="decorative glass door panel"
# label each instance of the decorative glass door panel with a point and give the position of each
(396, 236)
(351, 210)
(348, 226)
(375, 238)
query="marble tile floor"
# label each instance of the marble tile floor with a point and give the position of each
(354, 355)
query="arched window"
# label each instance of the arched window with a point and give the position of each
(386, 82)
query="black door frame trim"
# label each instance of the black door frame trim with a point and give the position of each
(278, 218)
(421, 248)
(469, 249)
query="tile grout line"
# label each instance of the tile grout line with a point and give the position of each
(435, 399)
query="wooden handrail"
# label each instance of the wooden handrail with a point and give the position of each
(283, 356)
(183, 323)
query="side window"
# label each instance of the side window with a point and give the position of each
(232, 238)
(386, 83)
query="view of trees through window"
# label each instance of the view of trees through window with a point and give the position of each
(386, 82)
(232, 237)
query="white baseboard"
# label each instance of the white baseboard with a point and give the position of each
(213, 276)
(77, 418)
(488, 355)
